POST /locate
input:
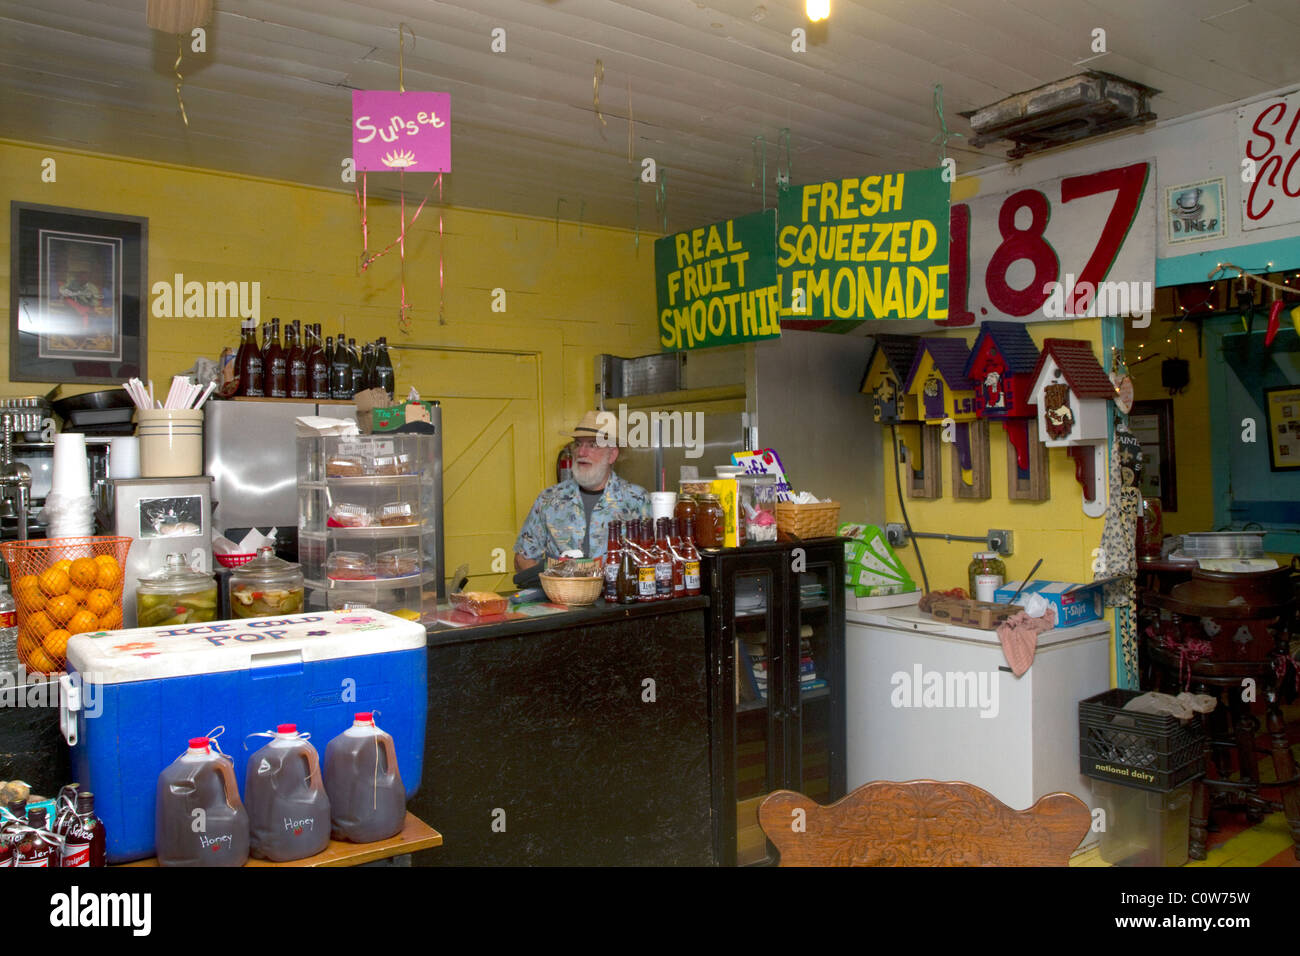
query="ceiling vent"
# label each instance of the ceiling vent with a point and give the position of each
(1065, 111)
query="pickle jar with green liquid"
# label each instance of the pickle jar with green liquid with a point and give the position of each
(176, 595)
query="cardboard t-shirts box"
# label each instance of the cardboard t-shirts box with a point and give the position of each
(1074, 603)
(394, 417)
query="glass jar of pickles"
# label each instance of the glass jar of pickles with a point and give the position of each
(266, 586)
(987, 573)
(175, 595)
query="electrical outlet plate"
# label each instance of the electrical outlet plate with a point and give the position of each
(1000, 540)
(896, 535)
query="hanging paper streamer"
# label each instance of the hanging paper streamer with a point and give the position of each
(180, 101)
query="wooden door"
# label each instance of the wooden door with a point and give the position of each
(491, 451)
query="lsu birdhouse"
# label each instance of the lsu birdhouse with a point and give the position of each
(1072, 393)
(1001, 371)
(937, 380)
(887, 372)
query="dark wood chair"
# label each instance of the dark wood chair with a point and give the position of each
(923, 823)
(1202, 641)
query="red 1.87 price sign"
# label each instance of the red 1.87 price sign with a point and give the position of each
(1060, 249)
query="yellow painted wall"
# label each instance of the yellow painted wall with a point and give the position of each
(1055, 530)
(568, 298)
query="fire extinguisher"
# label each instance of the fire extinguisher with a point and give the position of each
(564, 464)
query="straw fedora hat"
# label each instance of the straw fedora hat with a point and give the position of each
(595, 424)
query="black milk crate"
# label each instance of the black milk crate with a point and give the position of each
(1147, 751)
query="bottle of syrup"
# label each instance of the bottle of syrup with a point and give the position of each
(248, 361)
(35, 848)
(275, 366)
(613, 555)
(83, 835)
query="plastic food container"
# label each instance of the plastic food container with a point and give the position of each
(349, 516)
(393, 465)
(266, 586)
(342, 466)
(479, 603)
(396, 514)
(758, 507)
(349, 566)
(398, 563)
(175, 595)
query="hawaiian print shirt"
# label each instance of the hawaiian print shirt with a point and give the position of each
(557, 521)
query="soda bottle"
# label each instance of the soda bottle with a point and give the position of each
(296, 362)
(288, 809)
(663, 561)
(613, 557)
(354, 368)
(275, 369)
(36, 846)
(83, 835)
(340, 371)
(366, 797)
(690, 560)
(318, 369)
(248, 361)
(199, 819)
(385, 376)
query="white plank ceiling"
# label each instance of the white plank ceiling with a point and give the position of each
(691, 82)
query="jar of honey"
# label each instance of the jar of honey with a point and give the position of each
(685, 508)
(709, 522)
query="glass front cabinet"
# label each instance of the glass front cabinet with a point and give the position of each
(777, 687)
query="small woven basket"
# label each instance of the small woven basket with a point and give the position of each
(818, 520)
(232, 560)
(576, 592)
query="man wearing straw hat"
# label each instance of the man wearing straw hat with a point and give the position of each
(575, 514)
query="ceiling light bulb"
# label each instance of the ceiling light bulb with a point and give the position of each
(818, 9)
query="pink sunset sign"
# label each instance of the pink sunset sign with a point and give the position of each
(392, 131)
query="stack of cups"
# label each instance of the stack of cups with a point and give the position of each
(124, 457)
(69, 508)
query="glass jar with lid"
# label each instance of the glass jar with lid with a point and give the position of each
(175, 595)
(266, 586)
(709, 522)
(987, 573)
(758, 507)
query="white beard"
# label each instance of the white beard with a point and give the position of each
(589, 476)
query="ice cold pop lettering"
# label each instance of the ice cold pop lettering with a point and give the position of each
(396, 125)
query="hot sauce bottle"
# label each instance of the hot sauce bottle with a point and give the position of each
(35, 849)
(627, 567)
(646, 559)
(663, 561)
(679, 562)
(690, 560)
(613, 556)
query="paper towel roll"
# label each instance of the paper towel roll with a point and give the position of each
(124, 457)
(70, 475)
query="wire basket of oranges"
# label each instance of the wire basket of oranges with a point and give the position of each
(61, 587)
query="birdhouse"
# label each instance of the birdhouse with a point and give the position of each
(887, 370)
(1072, 393)
(938, 381)
(1001, 369)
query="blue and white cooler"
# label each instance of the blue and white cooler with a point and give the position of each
(132, 699)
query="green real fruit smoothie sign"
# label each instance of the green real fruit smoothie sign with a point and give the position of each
(717, 285)
(852, 250)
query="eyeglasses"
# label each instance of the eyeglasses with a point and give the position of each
(587, 443)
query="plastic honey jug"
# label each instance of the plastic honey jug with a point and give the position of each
(200, 821)
(367, 799)
(288, 810)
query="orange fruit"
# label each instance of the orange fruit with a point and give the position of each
(108, 574)
(56, 644)
(29, 598)
(39, 625)
(63, 565)
(40, 662)
(54, 581)
(98, 602)
(105, 559)
(26, 641)
(61, 608)
(78, 594)
(112, 620)
(83, 572)
(81, 622)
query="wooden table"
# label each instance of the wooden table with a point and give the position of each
(415, 835)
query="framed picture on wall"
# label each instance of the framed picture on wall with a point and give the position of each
(1282, 409)
(77, 295)
(1152, 424)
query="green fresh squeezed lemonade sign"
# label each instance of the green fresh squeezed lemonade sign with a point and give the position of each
(716, 285)
(851, 250)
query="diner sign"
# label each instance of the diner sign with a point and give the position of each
(392, 130)
(716, 285)
(851, 250)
